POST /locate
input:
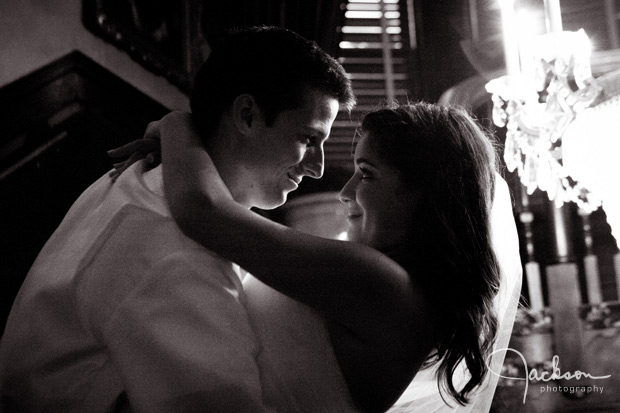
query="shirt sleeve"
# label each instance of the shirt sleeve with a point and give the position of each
(183, 342)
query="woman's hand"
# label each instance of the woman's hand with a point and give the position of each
(147, 148)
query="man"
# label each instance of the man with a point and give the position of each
(121, 310)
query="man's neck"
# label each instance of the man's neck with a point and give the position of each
(230, 170)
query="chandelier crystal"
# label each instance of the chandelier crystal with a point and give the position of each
(537, 105)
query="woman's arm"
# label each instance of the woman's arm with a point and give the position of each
(347, 282)
(147, 148)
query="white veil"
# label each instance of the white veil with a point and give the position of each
(423, 395)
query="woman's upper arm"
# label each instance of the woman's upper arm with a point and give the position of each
(346, 281)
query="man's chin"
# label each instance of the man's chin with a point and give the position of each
(273, 203)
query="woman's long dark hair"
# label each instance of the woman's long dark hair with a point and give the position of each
(449, 164)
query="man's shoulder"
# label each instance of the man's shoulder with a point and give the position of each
(144, 251)
(138, 243)
(135, 230)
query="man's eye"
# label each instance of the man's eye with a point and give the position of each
(308, 140)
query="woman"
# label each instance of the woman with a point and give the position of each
(414, 289)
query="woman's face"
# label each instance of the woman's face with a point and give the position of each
(380, 207)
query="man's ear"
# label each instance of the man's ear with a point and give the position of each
(245, 113)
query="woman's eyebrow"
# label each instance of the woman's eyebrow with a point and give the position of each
(360, 161)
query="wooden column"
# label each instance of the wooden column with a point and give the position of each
(565, 297)
(532, 268)
(590, 262)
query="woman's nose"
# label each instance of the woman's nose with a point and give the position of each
(347, 193)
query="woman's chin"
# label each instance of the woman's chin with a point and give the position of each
(353, 236)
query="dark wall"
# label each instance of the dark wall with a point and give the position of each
(56, 127)
(439, 62)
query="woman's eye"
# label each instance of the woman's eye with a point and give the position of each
(365, 175)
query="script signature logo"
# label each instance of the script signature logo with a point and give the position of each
(545, 376)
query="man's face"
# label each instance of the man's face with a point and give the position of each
(282, 154)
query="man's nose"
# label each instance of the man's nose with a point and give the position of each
(313, 162)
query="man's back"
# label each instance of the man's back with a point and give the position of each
(121, 308)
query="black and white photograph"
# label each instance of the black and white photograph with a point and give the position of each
(402, 206)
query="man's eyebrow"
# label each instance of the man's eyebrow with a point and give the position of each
(317, 130)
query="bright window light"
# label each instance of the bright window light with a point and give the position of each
(362, 14)
(369, 30)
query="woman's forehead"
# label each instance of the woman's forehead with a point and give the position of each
(365, 146)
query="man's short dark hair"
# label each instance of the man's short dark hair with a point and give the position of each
(274, 65)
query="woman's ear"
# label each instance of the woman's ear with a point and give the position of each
(245, 113)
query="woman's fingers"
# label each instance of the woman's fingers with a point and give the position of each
(148, 148)
(120, 167)
(127, 149)
(149, 143)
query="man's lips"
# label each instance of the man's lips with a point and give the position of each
(297, 180)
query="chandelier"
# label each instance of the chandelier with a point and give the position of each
(548, 83)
